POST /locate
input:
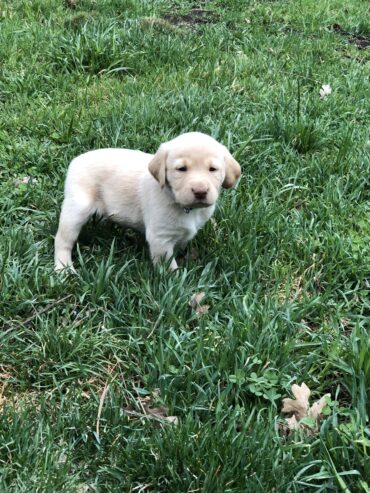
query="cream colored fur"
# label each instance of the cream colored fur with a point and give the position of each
(152, 194)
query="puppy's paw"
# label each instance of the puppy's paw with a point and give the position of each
(65, 269)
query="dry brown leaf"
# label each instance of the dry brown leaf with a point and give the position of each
(5, 375)
(196, 298)
(292, 423)
(25, 181)
(317, 407)
(325, 90)
(83, 488)
(195, 303)
(173, 420)
(299, 408)
(159, 413)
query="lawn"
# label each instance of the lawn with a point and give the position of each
(92, 364)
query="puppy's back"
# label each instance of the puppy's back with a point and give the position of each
(110, 179)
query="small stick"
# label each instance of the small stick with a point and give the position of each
(101, 403)
(46, 309)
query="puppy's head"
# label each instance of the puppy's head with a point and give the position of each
(194, 166)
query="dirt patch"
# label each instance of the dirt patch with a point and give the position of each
(195, 16)
(359, 40)
(72, 4)
(78, 20)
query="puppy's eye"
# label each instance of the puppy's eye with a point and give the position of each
(212, 169)
(183, 168)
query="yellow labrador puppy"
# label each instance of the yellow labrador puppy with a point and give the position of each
(168, 196)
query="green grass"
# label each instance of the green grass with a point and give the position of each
(285, 264)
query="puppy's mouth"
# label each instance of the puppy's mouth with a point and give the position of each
(188, 204)
(196, 205)
(200, 205)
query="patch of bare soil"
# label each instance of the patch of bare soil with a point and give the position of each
(360, 40)
(195, 16)
(72, 4)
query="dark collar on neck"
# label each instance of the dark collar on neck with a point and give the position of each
(187, 210)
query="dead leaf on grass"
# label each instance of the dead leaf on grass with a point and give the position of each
(325, 90)
(300, 405)
(292, 423)
(4, 374)
(159, 413)
(85, 488)
(195, 303)
(318, 406)
(302, 416)
(25, 181)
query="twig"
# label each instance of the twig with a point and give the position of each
(161, 419)
(147, 416)
(46, 309)
(101, 403)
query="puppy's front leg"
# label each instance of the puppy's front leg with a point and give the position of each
(160, 250)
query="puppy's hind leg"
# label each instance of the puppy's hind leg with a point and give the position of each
(76, 211)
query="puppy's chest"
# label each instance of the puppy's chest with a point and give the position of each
(188, 224)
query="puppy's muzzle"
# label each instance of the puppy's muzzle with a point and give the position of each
(200, 192)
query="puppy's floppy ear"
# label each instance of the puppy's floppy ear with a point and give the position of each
(157, 165)
(232, 171)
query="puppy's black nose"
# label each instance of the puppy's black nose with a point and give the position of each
(200, 195)
(199, 190)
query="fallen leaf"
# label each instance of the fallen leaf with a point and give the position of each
(5, 375)
(159, 413)
(173, 420)
(83, 488)
(292, 423)
(325, 91)
(298, 406)
(195, 303)
(25, 181)
(318, 406)
(302, 416)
